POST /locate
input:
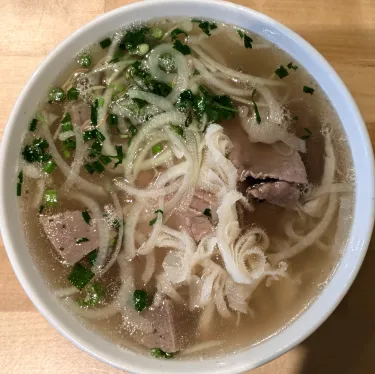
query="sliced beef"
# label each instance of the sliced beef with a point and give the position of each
(280, 193)
(65, 229)
(164, 335)
(80, 113)
(193, 220)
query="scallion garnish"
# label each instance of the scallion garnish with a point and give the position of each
(33, 124)
(37, 151)
(49, 166)
(19, 184)
(105, 159)
(157, 148)
(41, 208)
(307, 135)
(308, 90)
(291, 66)
(84, 60)
(158, 211)
(94, 293)
(183, 48)
(207, 212)
(159, 353)
(94, 112)
(156, 33)
(82, 240)
(112, 119)
(257, 115)
(98, 167)
(86, 216)
(153, 221)
(140, 300)
(91, 257)
(89, 168)
(281, 72)
(57, 95)
(72, 94)
(80, 276)
(50, 197)
(105, 43)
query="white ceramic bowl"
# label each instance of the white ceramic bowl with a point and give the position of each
(301, 52)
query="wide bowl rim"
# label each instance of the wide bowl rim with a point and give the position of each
(236, 362)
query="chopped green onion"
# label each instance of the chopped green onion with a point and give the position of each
(196, 72)
(143, 49)
(105, 43)
(93, 134)
(183, 48)
(41, 208)
(307, 135)
(84, 60)
(157, 33)
(257, 115)
(36, 152)
(33, 124)
(86, 216)
(157, 148)
(281, 72)
(120, 155)
(80, 276)
(291, 66)
(94, 293)
(91, 257)
(159, 353)
(159, 211)
(82, 240)
(178, 130)
(94, 112)
(247, 41)
(207, 212)
(101, 101)
(89, 168)
(50, 166)
(112, 119)
(140, 300)
(57, 94)
(50, 197)
(19, 184)
(105, 159)
(72, 94)
(98, 167)
(308, 90)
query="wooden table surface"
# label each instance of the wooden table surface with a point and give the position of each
(342, 30)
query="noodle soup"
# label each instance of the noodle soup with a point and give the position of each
(185, 188)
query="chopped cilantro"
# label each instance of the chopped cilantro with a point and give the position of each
(291, 66)
(183, 48)
(94, 112)
(281, 72)
(140, 300)
(177, 32)
(33, 124)
(72, 94)
(80, 276)
(105, 43)
(308, 90)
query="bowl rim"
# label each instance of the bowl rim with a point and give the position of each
(292, 334)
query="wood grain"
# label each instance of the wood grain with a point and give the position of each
(342, 30)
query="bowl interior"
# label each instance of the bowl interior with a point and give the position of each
(301, 52)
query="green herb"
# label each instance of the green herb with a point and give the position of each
(84, 60)
(185, 100)
(308, 90)
(112, 119)
(41, 208)
(157, 33)
(50, 166)
(119, 156)
(196, 72)
(240, 33)
(105, 43)
(153, 221)
(68, 144)
(80, 276)
(133, 38)
(307, 135)
(82, 240)
(37, 151)
(281, 72)
(72, 94)
(86, 216)
(96, 148)
(206, 26)
(66, 124)
(207, 212)
(140, 300)
(257, 115)
(94, 293)
(50, 197)
(89, 168)
(101, 101)
(140, 103)
(91, 257)
(247, 41)
(183, 48)
(104, 159)
(159, 211)
(157, 148)
(98, 167)
(159, 353)
(291, 66)
(33, 124)
(94, 112)
(177, 129)
(57, 95)
(177, 32)
(93, 134)
(133, 131)
(19, 184)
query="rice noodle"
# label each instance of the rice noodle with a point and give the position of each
(151, 98)
(38, 197)
(204, 346)
(149, 268)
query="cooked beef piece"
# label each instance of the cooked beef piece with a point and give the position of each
(193, 220)
(164, 335)
(80, 113)
(65, 229)
(280, 193)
